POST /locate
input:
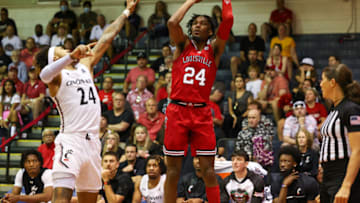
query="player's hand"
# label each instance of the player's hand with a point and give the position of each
(131, 5)
(82, 51)
(290, 178)
(194, 200)
(342, 195)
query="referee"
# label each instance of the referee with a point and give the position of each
(340, 148)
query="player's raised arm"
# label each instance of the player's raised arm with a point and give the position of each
(109, 34)
(224, 30)
(175, 30)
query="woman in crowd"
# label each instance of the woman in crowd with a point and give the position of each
(9, 106)
(144, 145)
(309, 158)
(157, 23)
(112, 142)
(278, 61)
(238, 102)
(340, 149)
(313, 107)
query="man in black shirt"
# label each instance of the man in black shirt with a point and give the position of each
(133, 165)
(117, 188)
(65, 15)
(252, 41)
(191, 187)
(244, 66)
(120, 118)
(5, 21)
(36, 181)
(289, 185)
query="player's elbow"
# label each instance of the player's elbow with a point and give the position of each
(172, 23)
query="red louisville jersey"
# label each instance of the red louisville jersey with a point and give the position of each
(193, 74)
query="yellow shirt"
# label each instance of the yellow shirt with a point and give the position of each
(286, 44)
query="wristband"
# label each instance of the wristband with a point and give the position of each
(283, 186)
(105, 183)
(126, 12)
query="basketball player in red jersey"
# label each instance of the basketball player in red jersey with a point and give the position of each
(189, 119)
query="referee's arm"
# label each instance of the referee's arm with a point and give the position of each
(352, 169)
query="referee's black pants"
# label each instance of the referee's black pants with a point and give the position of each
(333, 176)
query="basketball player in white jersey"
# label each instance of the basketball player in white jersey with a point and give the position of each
(77, 161)
(151, 186)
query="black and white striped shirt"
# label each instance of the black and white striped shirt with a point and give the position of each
(342, 119)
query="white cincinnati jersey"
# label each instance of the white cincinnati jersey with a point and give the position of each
(154, 195)
(77, 101)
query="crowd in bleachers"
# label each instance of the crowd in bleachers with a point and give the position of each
(271, 99)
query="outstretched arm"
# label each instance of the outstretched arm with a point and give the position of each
(175, 31)
(224, 30)
(109, 34)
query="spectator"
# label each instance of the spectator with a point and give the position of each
(106, 93)
(5, 21)
(13, 76)
(254, 83)
(69, 44)
(191, 186)
(133, 165)
(120, 118)
(47, 149)
(117, 188)
(165, 51)
(112, 142)
(165, 102)
(27, 54)
(22, 72)
(309, 158)
(252, 41)
(104, 130)
(289, 185)
(272, 88)
(255, 105)
(9, 106)
(40, 38)
(66, 16)
(242, 67)
(306, 71)
(98, 29)
(256, 139)
(87, 20)
(144, 144)
(278, 61)
(132, 24)
(280, 15)
(238, 102)
(288, 46)
(5, 60)
(334, 60)
(32, 99)
(141, 69)
(151, 185)
(11, 41)
(138, 97)
(152, 119)
(313, 107)
(251, 186)
(59, 38)
(35, 180)
(218, 119)
(157, 22)
(161, 87)
(299, 120)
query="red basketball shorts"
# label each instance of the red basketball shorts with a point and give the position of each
(189, 125)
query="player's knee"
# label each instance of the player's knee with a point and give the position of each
(208, 173)
(173, 172)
